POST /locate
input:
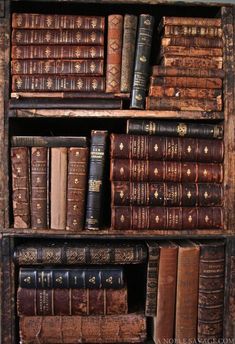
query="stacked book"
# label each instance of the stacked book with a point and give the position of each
(189, 75)
(167, 176)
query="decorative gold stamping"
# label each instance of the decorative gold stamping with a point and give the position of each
(182, 129)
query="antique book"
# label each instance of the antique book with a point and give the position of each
(184, 71)
(39, 187)
(192, 62)
(211, 291)
(186, 81)
(60, 66)
(194, 21)
(145, 147)
(71, 301)
(87, 277)
(48, 141)
(57, 52)
(167, 171)
(164, 320)
(166, 218)
(38, 83)
(184, 104)
(175, 128)
(96, 179)
(193, 41)
(114, 53)
(128, 51)
(88, 252)
(124, 193)
(183, 92)
(58, 194)
(142, 61)
(76, 187)
(192, 30)
(20, 165)
(152, 279)
(126, 328)
(68, 95)
(57, 36)
(187, 292)
(56, 21)
(172, 50)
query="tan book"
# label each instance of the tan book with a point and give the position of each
(194, 21)
(192, 62)
(190, 51)
(183, 92)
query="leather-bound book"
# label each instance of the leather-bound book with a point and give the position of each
(211, 291)
(192, 30)
(128, 52)
(189, 104)
(192, 62)
(76, 187)
(48, 141)
(144, 147)
(176, 50)
(190, 21)
(126, 328)
(187, 292)
(88, 277)
(71, 301)
(164, 320)
(80, 253)
(214, 83)
(114, 53)
(167, 171)
(58, 184)
(56, 21)
(192, 41)
(152, 279)
(96, 179)
(192, 72)
(20, 165)
(174, 128)
(142, 60)
(166, 218)
(39, 187)
(183, 92)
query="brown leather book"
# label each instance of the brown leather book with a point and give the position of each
(192, 72)
(58, 187)
(187, 292)
(71, 301)
(114, 53)
(143, 147)
(127, 328)
(192, 62)
(164, 320)
(197, 21)
(186, 104)
(167, 171)
(20, 165)
(56, 21)
(170, 218)
(181, 92)
(76, 187)
(39, 187)
(172, 50)
(62, 67)
(192, 30)
(214, 83)
(48, 141)
(152, 279)
(193, 41)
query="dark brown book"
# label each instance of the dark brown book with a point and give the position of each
(56, 21)
(127, 328)
(80, 253)
(193, 41)
(191, 21)
(62, 67)
(71, 301)
(187, 292)
(162, 218)
(144, 147)
(181, 92)
(53, 83)
(20, 165)
(192, 30)
(211, 291)
(124, 193)
(214, 83)
(167, 171)
(152, 279)
(48, 141)
(192, 72)
(184, 104)
(76, 187)
(79, 37)
(192, 62)
(172, 50)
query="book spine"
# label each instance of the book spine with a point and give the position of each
(86, 67)
(211, 291)
(114, 53)
(166, 194)
(190, 51)
(57, 52)
(96, 179)
(58, 187)
(152, 279)
(171, 218)
(57, 83)
(20, 186)
(71, 301)
(127, 328)
(192, 62)
(76, 187)
(192, 41)
(91, 278)
(163, 128)
(79, 37)
(48, 141)
(192, 72)
(211, 83)
(216, 22)
(39, 185)
(128, 52)
(165, 171)
(181, 92)
(184, 30)
(55, 21)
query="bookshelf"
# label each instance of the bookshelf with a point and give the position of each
(29, 117)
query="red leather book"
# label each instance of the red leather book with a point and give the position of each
(192, 72)
(192, 41)
(184, 92)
